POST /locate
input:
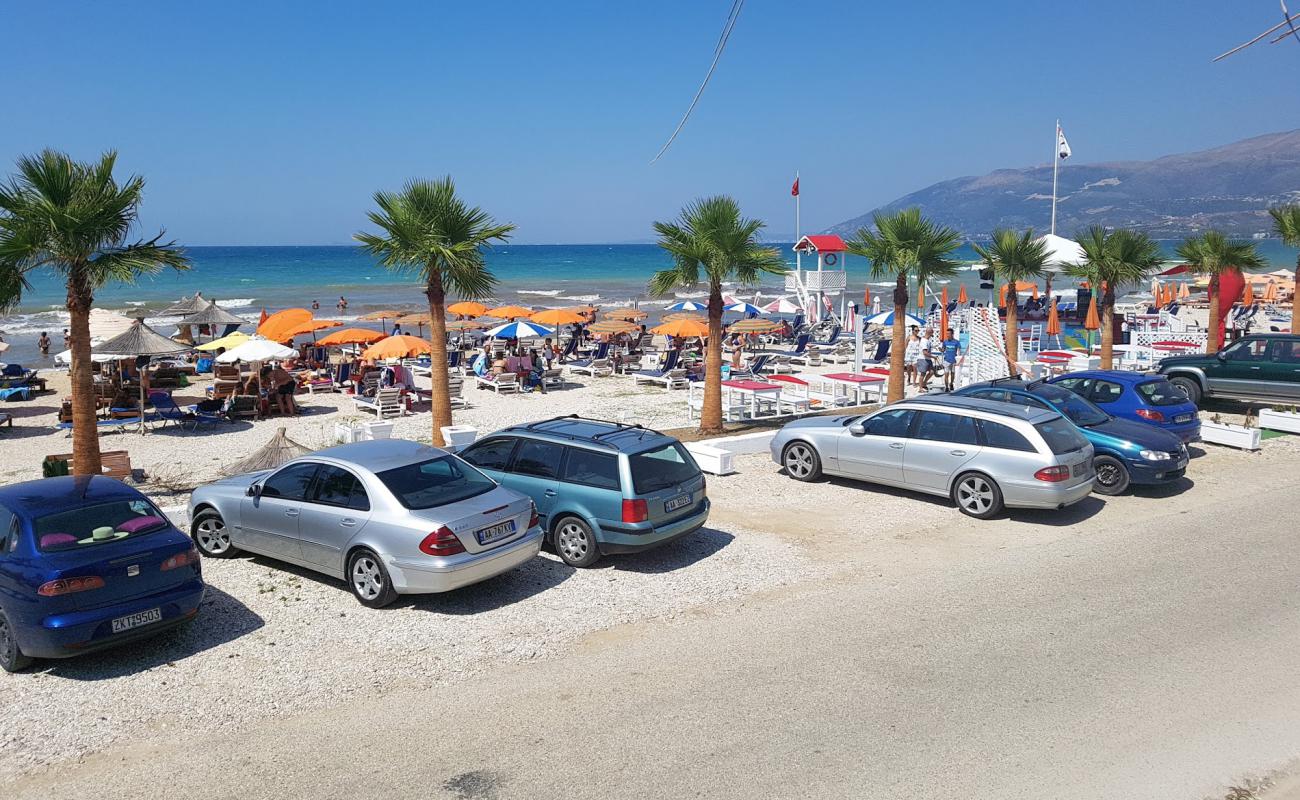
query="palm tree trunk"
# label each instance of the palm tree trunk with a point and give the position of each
(1013, 327)
(439, 391)
(898, 336)
(1107, 328)
(711, 413)
(85, 430)
(1212, 343)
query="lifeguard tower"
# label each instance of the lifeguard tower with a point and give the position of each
(818, 290)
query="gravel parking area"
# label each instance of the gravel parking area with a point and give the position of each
(272, 640)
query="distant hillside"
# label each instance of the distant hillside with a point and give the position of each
(1227, 187)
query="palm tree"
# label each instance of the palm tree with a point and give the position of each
(1014, 257)
(1286, 221)
(1112, 260)
(74, 218)
(1211, 253)
(904, 244)
(711, 242)
(425, 229)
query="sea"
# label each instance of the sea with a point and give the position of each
(245, 280)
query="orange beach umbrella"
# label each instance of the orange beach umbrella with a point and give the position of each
(467, 308)
(1270, 292)
(1053, 320)
(1184, 292)
(276, 326)
(866, 299)
(943, 313)
(1092, 322)
(962, 296)
(351, 336)
(558, 316)
(1248, 296)
(311, 326)
(511, 312)
(400, 346)
(687, 328)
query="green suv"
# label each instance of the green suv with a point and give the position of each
(1264, 367)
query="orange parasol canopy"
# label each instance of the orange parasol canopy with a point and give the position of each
(1270, 292)
(754, 326)
(558, 316)
(511, 312)
(1248, 296)
(1184, 292)
(614, 326)
(1035, 291)
(351, 336)
(276, 326)
(630, 314)
(467, 308)
(400, 346)
(866, 299)
(681, 315)
(943, 313)
(312, 325)
(962, 296)
(687, 328)
(1092, 322)
(920, 295)
(382, 315)
(1053, 320)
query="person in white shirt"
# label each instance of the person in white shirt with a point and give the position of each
(925, 362)
(910, 356)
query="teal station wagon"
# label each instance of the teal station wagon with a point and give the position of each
(600, 487)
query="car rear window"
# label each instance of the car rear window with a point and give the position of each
(97, 524)
(1161, 393)
(591, 469)
(436, 482)
(1061, 436)
(661, 468)
(1004, 437)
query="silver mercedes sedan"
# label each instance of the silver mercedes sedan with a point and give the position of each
(983, 455)
(389, 516)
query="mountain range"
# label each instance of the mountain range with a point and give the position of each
(1229, 188)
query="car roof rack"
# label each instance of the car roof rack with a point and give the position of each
(619, 427)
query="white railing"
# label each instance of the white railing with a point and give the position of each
(830, 282)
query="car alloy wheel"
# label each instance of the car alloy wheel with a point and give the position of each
(975, 495)
(802, 462)
(11, 658)
(572, 541)
(367, 578)
(211, 536)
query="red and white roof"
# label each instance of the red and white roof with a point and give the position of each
(828, 243)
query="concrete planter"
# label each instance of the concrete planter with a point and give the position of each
(347, 434)
(1238, 436)
(713, 460)
(1286, 421)
(379, 430)
(459, 436)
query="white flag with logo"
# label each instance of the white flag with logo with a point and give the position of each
(1062, 146)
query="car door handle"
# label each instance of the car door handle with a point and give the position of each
(956, 452)
(550, 492)
(347, 522)
(1254, 367)
(896, 445)
(291, 512)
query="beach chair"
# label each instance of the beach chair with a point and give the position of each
(165, 375)
(6, 420)
(570, 348)
(601, 354)
(753, 369)
(244, 406)
(780, 365)
(370, 382)
(831, 340)
(553, 378)
(454, 361)
(505, 382)
(596, 368)
(385, 403)
(882, 351)
(668, 375)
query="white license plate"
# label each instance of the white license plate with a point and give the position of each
(1183, 418)
(137, 619)
(1182, 462)
(680, 501)
(1080, 469)
(495, 532)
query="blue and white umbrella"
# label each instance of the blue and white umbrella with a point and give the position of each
(743, 308)
(886, 318)
(520, 329)
(688, 305)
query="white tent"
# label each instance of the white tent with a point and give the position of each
(1061, 252)
(257, 349)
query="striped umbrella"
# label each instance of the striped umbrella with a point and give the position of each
(630, 314)
(753, 326)
(886, 318)
(521, 329)
(688, 305)
(743, 308)
(683, 316)
(782, 305)
(614, 326)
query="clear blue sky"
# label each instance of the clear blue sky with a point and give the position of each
(274, 122)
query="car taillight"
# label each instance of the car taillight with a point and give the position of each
(533, 519)
(441, 542)
(635, 511)
(1151, 414)
(704, 486)
(1053, 474)
(181, 560)
(70, 586)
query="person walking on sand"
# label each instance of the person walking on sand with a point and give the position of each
(910, 356)
(44, 344)
(925, 364)
(952, 358)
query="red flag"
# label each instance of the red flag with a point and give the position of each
(794, 190)
(262, 320)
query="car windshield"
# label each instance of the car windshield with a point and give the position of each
(436, 482)
(661, 467)
(97, 524)
(1080, 411)
(1161, 393)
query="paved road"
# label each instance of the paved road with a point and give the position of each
(1149, 652)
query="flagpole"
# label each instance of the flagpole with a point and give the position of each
(1056, 164)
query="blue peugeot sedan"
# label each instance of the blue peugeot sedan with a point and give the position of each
(1124, 452)
(1141, 397)
(88, 563)
(600, 487)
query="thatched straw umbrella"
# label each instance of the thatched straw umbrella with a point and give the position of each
(271, 455)
(139, 340)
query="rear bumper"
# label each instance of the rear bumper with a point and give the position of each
(77, 632)
(1046, 495)
(614, 539)
(412, 576)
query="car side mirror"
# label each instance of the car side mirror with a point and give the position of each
(858, 429)
(255, 490)
(1222, 355)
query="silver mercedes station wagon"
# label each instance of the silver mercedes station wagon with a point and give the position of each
(982, 454)
(390, 517)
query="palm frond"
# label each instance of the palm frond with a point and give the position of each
(907, 243)
(712, 240)
(1286, 222)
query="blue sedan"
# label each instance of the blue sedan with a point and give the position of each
(1124, 452)
(87, 564)
(1138, 396)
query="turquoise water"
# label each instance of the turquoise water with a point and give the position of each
(247, 279)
